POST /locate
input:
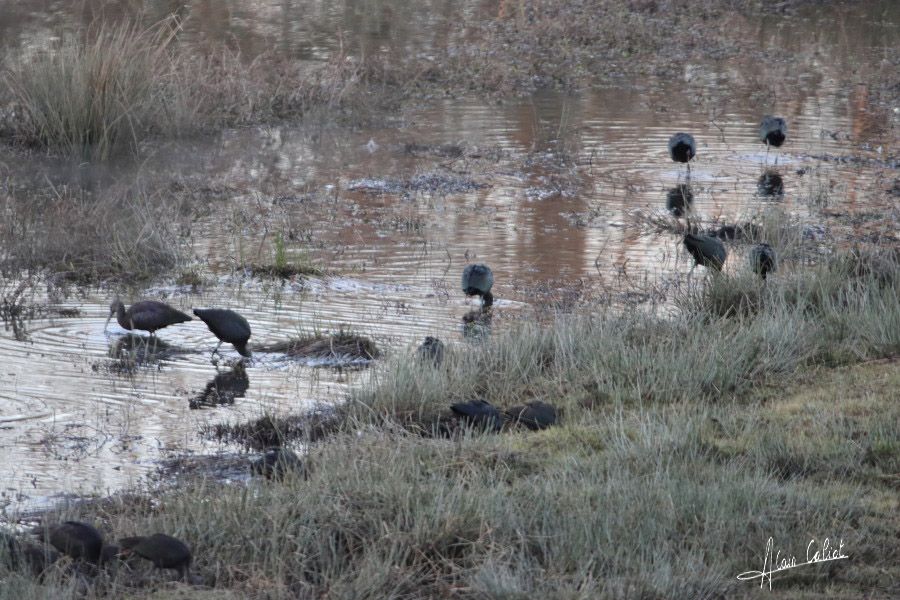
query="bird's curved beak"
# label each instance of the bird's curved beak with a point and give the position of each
(106, 325)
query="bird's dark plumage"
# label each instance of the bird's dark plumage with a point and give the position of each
(78, 540)
(762, 260)
(164, 551)
(706, 250)
(228, 326)
(772, 131)
(431, 351)
(22, 554)
(477, 280)
(682, 147)
(533, 415)
(277, 463)
(146, 315)
(479, 413)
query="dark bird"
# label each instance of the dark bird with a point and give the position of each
(431, 351)
(679, 200)
(477, 280)
(228, 326)
(772, 132)
(75, 539)
(277, 463)
(164, 551)
(533, 415)
(23, 554)
(770, 184)
(479, 414)
(683, 148)
(762, 260)
(706, 250)
(147, 315)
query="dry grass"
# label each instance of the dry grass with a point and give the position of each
(77, 235)
(98, 93)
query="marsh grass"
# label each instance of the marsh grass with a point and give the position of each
(90, 95)
(128, 233)
(686, 441)
(100, 92)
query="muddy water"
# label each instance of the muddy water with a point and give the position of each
(553, 191)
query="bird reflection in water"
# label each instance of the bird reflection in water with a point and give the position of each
(224, 388)
(770, 184)
(477, 323)
(679, 200)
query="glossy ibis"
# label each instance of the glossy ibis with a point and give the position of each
(772, 132)
(762, 260)
(431, 351)
(228, 326)
(277, 463)
(23, 554)
(164, 551)
(533, 415)
(479, 414)
(683, 148)
(706, 250)
(146, 315)
(78, 540)
(477, 280)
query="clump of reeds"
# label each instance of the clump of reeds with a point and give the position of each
(92, 94)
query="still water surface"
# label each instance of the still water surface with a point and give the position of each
(546, 189)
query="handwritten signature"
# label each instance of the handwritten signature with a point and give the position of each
(774, 562)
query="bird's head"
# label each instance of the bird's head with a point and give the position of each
(114, 307)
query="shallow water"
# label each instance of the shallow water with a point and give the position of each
(549, 190)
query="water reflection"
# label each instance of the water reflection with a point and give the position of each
(224, 388)
(679, 199)
(770, 184)
(477, 323)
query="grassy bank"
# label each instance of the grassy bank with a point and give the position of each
(687, 440)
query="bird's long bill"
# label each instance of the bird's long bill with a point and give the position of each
(106, 325)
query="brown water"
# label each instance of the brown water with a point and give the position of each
(548, 190)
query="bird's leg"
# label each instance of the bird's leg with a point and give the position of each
(689, 171)
(214, 352)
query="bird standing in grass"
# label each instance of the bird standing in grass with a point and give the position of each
(477, 280)
(706, 250)
(683, 148)
(228, 326)
(762, 260)
(534, 415)
(479, 414)
(147, 315)
(75, 539)
(164, 551)
(772, 132)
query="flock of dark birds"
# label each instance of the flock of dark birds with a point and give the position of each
(708, 250)
(86, 548)
(84, 544)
